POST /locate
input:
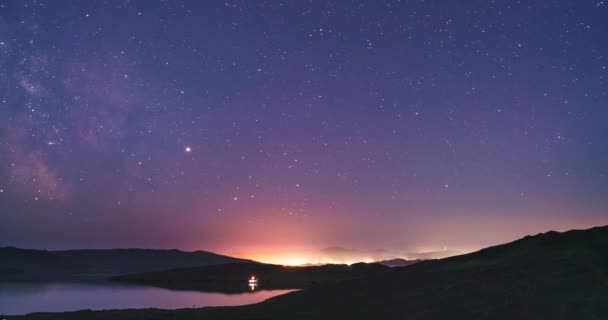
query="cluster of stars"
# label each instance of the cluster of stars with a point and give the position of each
(301, 110)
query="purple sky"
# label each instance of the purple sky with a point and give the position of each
(396, 125)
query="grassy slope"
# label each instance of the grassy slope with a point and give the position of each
(548, 276)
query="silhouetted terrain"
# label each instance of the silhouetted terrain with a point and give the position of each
(233, 277)
(25, 264)
(346, 254)
(547, 276)
(398, 262)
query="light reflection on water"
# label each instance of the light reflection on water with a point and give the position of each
(23, 298)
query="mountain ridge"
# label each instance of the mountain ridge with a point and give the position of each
(33, 264)
(546, 276)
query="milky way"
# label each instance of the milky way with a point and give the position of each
(253, 126)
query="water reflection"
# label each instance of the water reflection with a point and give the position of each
(22, 298)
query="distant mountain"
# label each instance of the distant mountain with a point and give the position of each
(433, 254)
(341, 254)
(557, 276)
(397, 262)
(547, 276)
(41, 264)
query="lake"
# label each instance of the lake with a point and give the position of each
(22, 298)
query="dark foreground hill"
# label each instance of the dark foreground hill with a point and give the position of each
(547, 276)
(25, 264)
(232, 277)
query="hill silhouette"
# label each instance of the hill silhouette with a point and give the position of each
(398, 262)
(232, 277)
(546, 276)
(27, 264)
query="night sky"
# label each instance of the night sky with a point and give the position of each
(274, 129)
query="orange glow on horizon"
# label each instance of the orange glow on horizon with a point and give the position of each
(304, 259)
(308, 245)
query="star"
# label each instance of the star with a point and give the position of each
(290, 119)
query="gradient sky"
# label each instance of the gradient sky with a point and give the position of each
(273, 129)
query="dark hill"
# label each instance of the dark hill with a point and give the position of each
(547, 276)
(26, 264)
(398, 262)
(233, 277)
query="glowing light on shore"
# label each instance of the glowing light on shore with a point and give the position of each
(253, 283)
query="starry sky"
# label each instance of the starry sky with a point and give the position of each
(275, 129)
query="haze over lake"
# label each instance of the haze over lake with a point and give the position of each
(22, 297)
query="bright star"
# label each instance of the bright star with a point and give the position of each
(188, 149)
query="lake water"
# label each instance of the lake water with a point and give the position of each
(23, 298)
